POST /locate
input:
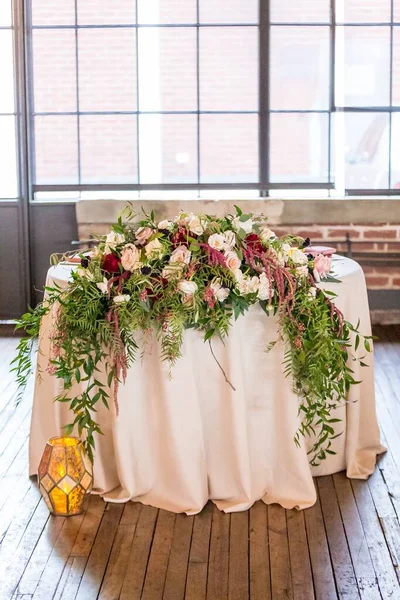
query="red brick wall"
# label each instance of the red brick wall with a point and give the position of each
(228, 81)
(376, 239)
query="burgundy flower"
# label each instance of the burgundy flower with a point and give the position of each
(85, 262)
(111, 263)
(254, 242)
(159, 294)
(180, 238)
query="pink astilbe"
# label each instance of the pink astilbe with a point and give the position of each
(298, 342)
(119, 358)
(336, 316)
(119, 279)
(209, 297)
(57, 335)
(215, 257)
(277, 275)
(191, 270)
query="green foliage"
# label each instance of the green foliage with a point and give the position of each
(318, 366)
(103, 311)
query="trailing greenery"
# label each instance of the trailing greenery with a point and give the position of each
(201, 272)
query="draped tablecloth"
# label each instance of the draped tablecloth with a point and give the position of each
(179, 441)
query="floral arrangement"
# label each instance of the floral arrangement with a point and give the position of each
(197, 271)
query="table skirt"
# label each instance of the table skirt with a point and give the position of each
(180, 441)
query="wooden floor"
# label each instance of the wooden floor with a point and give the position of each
(346, 546)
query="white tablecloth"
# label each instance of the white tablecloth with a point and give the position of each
(176, 443)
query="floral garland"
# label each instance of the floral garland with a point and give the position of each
(197, 271)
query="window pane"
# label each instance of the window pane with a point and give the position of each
(56, 12)
(168, 148)
(299, 147)
(364, 11)
(166, 11)
(229, 68)
(367, 66)
(108, 146)
(228, 11)
(5, 13)
(366, 150)
(107, 69)
(228, 148)
(115, 12)
(6, 72)
(396, 67)
(56, 150)
(167, 68)
(395, 154)
(299, 67)
(54, 70)
(297, 11)
(8, 158)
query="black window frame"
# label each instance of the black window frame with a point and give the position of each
(264, 185)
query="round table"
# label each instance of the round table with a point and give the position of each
(180, 441)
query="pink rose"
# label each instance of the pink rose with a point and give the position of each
(143, 234)
(180, 255)
(232, 260)
(322, 267)
(130, 257)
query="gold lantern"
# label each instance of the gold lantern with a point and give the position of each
(65, 476)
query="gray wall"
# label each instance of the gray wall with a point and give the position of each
(52, 228)
(12, 271)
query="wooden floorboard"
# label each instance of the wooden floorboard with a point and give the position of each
(346, 546)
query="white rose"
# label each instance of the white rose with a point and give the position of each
(180, 255)
(243, 286)
(112, 240)
(297, 256)
(85, 273)
(265, 288)
(187, 287)
(230, 239)
(216, 241)
(254, 284)
(143, 234)
(195, 226)
(282, 255)
(238, 275)
(103, 286)
(183, 218)
(247, 226)
(248, 286)
(302, 271)
(121, 298)
(153, 249)
(165, 224)
(266, 234)
(130, 258)
(220, 292)
(171, 271)
(312, 292)
(232, 261)
(187, 300)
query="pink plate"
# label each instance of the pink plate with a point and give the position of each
(325, 250)
(76, 259)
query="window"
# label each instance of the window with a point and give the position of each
(214, 94)
(8, 166)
